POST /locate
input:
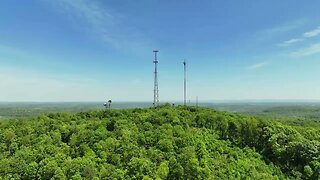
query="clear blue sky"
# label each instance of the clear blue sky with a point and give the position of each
(92, 50)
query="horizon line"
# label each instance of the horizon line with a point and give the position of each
(181, 101)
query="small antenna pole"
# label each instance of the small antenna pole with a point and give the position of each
(197, 103)
(109, 104)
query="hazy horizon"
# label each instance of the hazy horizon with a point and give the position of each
(191, 101)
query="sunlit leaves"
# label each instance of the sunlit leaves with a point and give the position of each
(167, 143)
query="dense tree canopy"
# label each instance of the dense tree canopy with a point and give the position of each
(165, 143)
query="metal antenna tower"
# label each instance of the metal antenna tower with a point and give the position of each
(185, 82)
(156, 85)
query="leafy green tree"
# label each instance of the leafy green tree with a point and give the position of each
(140, 167)
(163, 170)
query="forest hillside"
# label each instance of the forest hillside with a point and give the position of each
(164, 143)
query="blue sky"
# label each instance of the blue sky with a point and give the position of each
(92, 50)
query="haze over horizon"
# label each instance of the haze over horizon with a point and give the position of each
(90, 50)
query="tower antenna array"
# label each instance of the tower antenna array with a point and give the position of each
(156, 85)
(185, 82)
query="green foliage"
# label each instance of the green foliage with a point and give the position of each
(165, 143)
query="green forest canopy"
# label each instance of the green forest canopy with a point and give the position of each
(166, 143)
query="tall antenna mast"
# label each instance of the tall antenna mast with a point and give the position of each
(156, 86)
(185, 82)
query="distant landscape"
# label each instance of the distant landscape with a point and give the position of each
(33, 109)
(292, 113)
(285, 111)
